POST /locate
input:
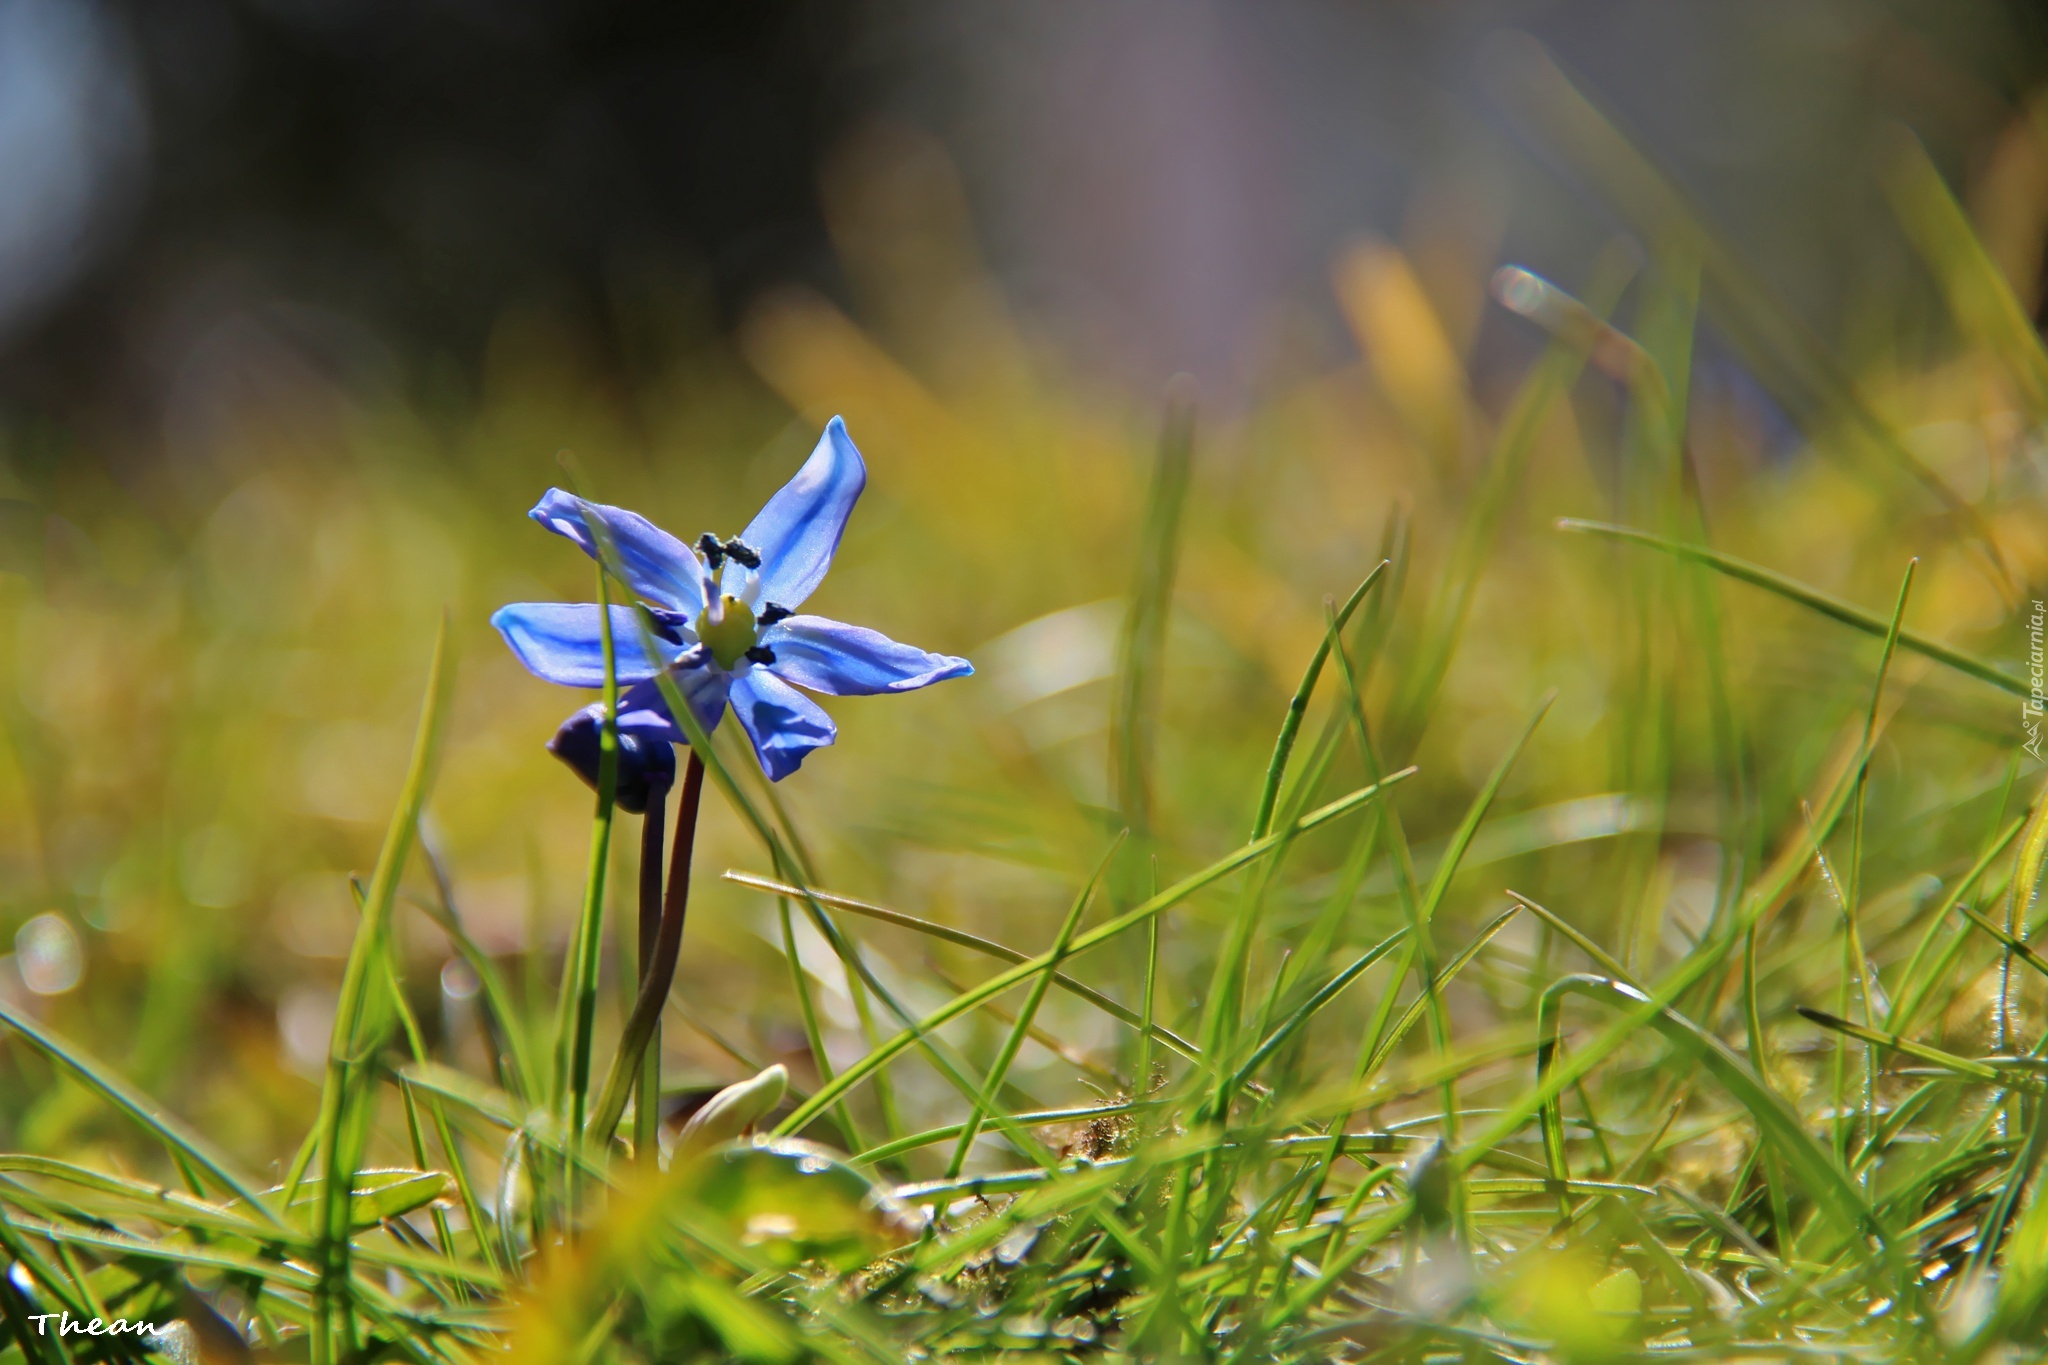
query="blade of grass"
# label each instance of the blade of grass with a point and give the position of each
(792, 869)
(581, 985)
(1760, 1060)
(1812, 598)
(1141, 645)
(1352, 710)
(991, 1087)
(986, 946)
(858, 980)
(807, 1010)
(1297, 708)
(155, 1202)
(1858, 961)
(2026, 877)
(1978, 293)
(1921, 1052)
(1440, 885)
(1309, 1008)
(1819, 1175)
(508, 1023)
(1602, 959)
(1148, 1002)
(2015, 946)
(1003, 981)
(1408, 714)
(1767, 895)
(458, 1169)
(172, 1132)
(1461, 960)
(362, 1019)
(1786, 353)
(1913, 993)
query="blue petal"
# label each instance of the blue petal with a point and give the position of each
(561, 642)
(657, 566)
(784, 724)
(643, 710)
(799, 529)
(852, 661)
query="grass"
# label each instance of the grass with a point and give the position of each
(1495, 881)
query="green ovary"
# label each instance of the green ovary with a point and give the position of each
(731, 635)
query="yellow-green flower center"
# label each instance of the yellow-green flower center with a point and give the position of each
(731, 635)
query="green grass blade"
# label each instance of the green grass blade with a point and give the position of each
(363, 1018)
(1222, 1021)
(807, 1010)
(991, 1087)
(508, 1022)
(1817, 1172)
(1034, 1118)
(1309, 1008)
(1297, 708)
(1475, 815)
(1786, 354)
(184, 1254)
(1913, 992)
(1963, 1067)
(1413, 1015)
(1812, 598)
(1602, 959)
(1647, 1007)
(1003, 981)
(1978, 293)
(1451, 604)
(2016, 946)
(1142, 644)
(986, 946)
(1440, 885)
(582, 978)
(172, 1132)
(137, 1198)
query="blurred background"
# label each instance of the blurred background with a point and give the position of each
(300, 299)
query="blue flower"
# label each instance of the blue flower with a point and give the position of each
(726, 628)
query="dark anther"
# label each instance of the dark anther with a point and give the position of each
(771, 612)
(712, 549)
(696, 656)
(743, 553)
(761, 654)
(645, 763)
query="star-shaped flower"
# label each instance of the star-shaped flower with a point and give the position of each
(726, 625)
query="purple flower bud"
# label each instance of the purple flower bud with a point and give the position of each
(646, 764)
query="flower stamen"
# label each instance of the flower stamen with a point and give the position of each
(727, 630)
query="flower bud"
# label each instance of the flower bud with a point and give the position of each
(646, 765)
